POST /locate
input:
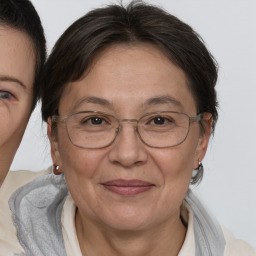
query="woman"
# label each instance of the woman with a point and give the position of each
(22, 54)
(129, 98)
(22, 51)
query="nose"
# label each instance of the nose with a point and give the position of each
(128, 150)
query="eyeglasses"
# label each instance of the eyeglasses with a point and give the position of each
(93, 129)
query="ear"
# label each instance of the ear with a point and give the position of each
(203, 139)
(52, 135)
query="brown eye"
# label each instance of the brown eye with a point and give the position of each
(159, 120)
(96, 120)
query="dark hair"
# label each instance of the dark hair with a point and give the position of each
(21, 15)
(73, 53)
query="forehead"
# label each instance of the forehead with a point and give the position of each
(17, 56)
(134, 74)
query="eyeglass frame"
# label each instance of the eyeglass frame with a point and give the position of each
(59, 119)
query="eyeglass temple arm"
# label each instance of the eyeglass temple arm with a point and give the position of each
(201, 116)
(56, 119)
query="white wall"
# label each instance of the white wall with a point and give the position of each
(229, 30)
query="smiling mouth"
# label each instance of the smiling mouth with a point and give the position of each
(127, 187)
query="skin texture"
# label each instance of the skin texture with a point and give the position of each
(17, 68)
(147, 223)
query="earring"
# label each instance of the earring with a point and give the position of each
(197, 174)
(200, 167)
(56, 169)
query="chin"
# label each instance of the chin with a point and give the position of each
(128, 219)
(129, 225)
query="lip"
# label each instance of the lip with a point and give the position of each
(127, 187)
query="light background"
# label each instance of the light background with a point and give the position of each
(228, 28)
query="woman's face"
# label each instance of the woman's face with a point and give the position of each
(17, 68)
(127, 82)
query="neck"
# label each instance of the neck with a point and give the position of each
(163, 239)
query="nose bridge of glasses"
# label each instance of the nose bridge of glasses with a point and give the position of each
(128, 121)
(135, 121)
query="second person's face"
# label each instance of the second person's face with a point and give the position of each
(17, 68)
(127, 82)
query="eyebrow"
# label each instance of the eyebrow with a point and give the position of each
(164, 99)
(94, 100)
(4, 78)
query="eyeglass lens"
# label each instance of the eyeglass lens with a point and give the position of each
(98, 130)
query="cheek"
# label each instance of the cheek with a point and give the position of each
(175, 165)
(174, 162)
(13, 122)
(80, 167)
(77, 163)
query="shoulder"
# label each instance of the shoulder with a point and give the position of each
(215, 233)
(16, 179)
(8, 240)
(236, 247)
